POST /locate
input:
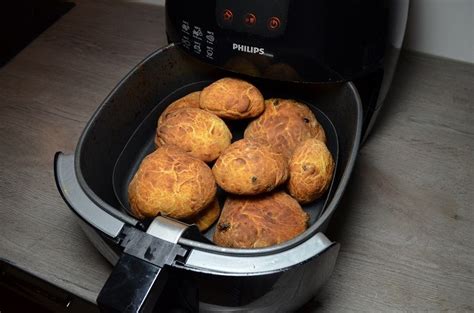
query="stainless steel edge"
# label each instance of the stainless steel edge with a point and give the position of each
(99, 242)
(253, 265)
(166, 229)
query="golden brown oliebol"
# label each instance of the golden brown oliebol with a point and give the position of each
(189, 101)
(200, 133)
(250, 167)
(232, 98)
(171, 182)
(261, 221)
(281, 71)
(243, 65)
(285, 124)
(207, 216)
(311, 170)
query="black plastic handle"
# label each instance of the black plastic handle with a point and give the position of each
(134, 286)
(139, 276)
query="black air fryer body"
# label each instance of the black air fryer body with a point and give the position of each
(279, 278)
(311, 41)
(315, 51)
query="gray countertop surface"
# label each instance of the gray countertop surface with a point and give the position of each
(406, 223)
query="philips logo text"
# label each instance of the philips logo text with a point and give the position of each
(248, 49)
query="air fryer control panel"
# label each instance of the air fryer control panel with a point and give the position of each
(300, 40)
(266, 18)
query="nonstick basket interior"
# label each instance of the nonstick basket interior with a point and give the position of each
(141, 143)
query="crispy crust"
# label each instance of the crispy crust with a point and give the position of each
(281, 71)
(189, 101)
(250, 167)
(257, 222)
(200, 133)
(285, 124)
(232, 99)
(242, 64)
(207, 216)
(311, 171)
(171, 182)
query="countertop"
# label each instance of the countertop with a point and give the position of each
(406, 223)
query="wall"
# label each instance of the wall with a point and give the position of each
(442, 27)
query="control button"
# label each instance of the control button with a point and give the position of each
(273, 23)
(227, 15)
(250, 19)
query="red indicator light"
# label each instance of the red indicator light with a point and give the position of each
(227, 15)
(273, 23)
(250, 19)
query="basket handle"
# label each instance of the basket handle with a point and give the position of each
(139, 276)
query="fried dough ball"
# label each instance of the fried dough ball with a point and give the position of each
(259, 60)
(243, 65)
(207, 216)
(233, 99)
(171, 182)
(311, 171)
(281, 71)
(285, 124)
(250, 167)
(262, 221)
(189, 101)
(200, 133)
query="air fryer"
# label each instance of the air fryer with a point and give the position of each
(318, 52)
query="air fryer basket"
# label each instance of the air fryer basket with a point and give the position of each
(141, 143)
(279, 278)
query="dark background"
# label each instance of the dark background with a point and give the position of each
(21, 21)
